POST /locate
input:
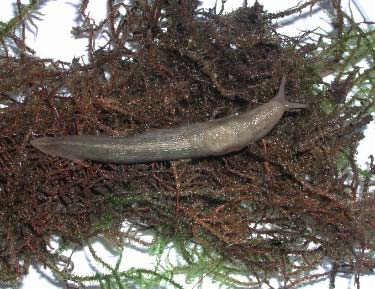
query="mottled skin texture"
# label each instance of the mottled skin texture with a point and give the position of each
(216, 137)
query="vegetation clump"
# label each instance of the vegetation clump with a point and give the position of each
(277, 209)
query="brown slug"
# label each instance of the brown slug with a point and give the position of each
(215, 137)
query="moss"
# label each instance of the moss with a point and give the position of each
(256, 212)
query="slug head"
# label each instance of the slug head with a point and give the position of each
(280, 97)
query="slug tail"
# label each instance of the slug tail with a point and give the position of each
(54, 146)
(157, 145)
(280, 97)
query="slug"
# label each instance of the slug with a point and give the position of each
(215, 137)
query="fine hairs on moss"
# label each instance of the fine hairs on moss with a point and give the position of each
(277, 209)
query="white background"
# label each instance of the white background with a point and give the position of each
(54, 40)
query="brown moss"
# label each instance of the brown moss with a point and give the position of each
(261, 206)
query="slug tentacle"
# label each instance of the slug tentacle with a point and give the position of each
(215, 137)
(280, 97)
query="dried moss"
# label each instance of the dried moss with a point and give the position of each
(262, 207)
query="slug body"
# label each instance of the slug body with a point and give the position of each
(215, 137)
